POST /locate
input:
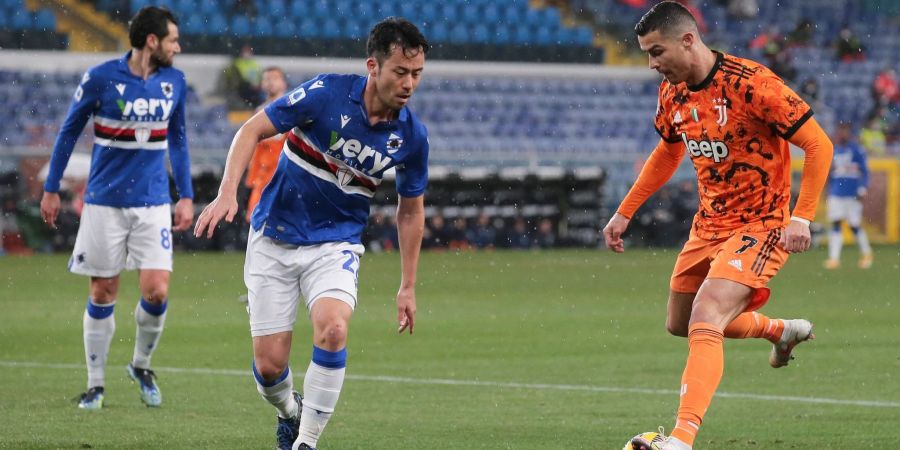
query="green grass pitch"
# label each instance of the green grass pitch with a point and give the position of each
(561, 350)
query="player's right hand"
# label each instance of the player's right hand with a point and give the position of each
(612, 232)
(50, 208)
(213, 213)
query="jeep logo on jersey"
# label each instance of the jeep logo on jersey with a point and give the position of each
(352, 148)
(141, 107)
(717, 150)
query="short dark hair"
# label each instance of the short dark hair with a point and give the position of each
(276, 69)
(394, 31)
(150, 19)
(666, 17)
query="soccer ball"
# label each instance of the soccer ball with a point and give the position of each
(650, 440)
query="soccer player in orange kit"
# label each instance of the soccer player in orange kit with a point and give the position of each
(735, 118)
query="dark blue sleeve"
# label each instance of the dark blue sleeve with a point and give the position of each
(859, 155)
(412, 177)
(85, 102)
(301, 105)
(178, 149)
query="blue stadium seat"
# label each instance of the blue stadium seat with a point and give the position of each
(193, 24)
(287, 28)
(45, 20)
(264, 26)
(21, 20)
(217, 24)
(240, 26)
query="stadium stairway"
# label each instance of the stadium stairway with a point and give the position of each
(89, 30)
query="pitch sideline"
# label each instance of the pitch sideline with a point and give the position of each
(480, 383)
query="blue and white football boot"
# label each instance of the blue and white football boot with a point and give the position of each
(146, 378)
(288, 429)
(92, 399)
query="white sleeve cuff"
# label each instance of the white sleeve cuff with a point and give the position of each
(801, 220)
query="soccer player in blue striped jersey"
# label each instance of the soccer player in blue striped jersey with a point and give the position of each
(848, 182)
(344, 132)
(137, 103)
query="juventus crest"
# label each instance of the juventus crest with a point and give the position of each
(721, 105)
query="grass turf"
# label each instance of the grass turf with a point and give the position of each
(561, 349)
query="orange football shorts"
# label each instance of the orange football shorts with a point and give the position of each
(751, 259)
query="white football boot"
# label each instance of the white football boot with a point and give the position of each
(795, 332)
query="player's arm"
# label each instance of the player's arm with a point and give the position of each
(84, 103)
(659, 168)
(225, 206)
(412, 180)
(181, 165)
(410, 227)
(863, 164)
(819, 150)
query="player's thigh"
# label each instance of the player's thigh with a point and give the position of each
(750, 259)
(838, 208)
(719, 301)
(100, 246)
(332, 271)
(692, 264)
(678, 312)
(150, 241)
(272, 274)
(854, 213)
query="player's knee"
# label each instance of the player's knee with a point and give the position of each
(269, 370)
(676, 329)
(103, 293)
(156, 294)
(333, 336)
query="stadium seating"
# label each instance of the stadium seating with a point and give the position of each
(451, 21)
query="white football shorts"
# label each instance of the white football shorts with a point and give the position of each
(277, 275)
(114, 239)
(845, 208)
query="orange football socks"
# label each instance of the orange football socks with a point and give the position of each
(755, 325)
(702, 373)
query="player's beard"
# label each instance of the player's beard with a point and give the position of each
(159, 59)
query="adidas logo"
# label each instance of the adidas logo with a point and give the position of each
(736, 263)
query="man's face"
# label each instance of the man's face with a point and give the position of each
(397, 77)
(668, 55)
(273, 83)
(163, 50)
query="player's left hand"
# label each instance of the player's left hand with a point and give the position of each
(796, 237)
(406, 309)
(184, 214)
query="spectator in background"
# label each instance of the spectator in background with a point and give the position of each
(244, 8)
(265, 157)
(458, 240)
(743, 9)
(872, 136)
(436, 234)
(802, 34)
(518, 236)
(769, 41)
(545, 237)
(848, 47)
(240, 81)
(809, 91)
(483, 234)
(381, 233)
(885, 89)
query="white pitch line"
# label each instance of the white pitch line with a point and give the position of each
(480, 383)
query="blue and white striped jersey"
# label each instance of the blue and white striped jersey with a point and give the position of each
(135, 122)
(334, 160)
(849, 171)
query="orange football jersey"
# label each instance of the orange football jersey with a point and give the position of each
(735, 125)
